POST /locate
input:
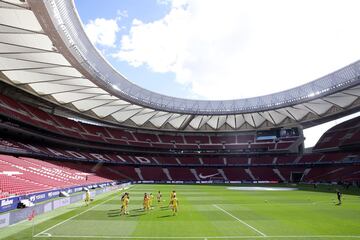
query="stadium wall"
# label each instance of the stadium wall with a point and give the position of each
(11, 203)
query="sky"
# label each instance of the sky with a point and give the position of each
(224, 49)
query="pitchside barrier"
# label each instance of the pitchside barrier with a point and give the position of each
(204, 182)
(16, 216)
(12, 203)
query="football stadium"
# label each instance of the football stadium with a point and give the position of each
(85, 153)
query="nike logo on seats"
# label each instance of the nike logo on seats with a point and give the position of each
(207, 176)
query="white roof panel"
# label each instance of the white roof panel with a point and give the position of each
(87, 104)
(69, 97)
(37, 41)
(45, 57)
(18, 18)
(122, 116)
(160, 119)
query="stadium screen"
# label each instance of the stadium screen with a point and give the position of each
(277, 133)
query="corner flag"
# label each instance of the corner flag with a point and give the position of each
(32, 215)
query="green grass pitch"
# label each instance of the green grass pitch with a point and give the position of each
(205, 212)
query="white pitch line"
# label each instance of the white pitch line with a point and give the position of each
(213, 237)
(223, 210)
(45, 231)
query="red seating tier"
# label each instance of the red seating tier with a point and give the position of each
(237, 160)
(166, 160)
(237, 174)
(153, 173)
(189, 160)
(146, 137)
(342, 134)
(94, 133)
(245, 138)
(213, 160)
(308, 158)
(264, 174)
(197, 139)
(171, 138)
(26, 175)
(223, 139)
(262, 160)
(334, 173)
(285, 159)
(181, 174)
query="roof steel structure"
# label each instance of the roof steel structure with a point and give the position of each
(45, 51)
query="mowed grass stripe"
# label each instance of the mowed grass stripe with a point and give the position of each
(192, 219)
(295, 215)
(76, 215)
(248, 225)
(149, 222)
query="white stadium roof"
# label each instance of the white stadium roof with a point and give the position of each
(45, 51)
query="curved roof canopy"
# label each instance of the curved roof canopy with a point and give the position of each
(45, 51)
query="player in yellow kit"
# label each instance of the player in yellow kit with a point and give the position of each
(124, 204)
(174, 205)
(151, 199)
(87, 197)
(172, 195)
(122, 198)
(146, 202)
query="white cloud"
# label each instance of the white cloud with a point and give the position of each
(102, 31)
(233, 49)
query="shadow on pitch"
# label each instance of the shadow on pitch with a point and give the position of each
(114, 210)
(138, 210)
(165, 216)
(164, 208)
(137, 214)
(114, 213)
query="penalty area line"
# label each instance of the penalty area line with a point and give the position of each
(45, 234)
(246, 224)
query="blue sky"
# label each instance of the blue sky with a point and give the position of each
(125, 11)
(212, 49)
